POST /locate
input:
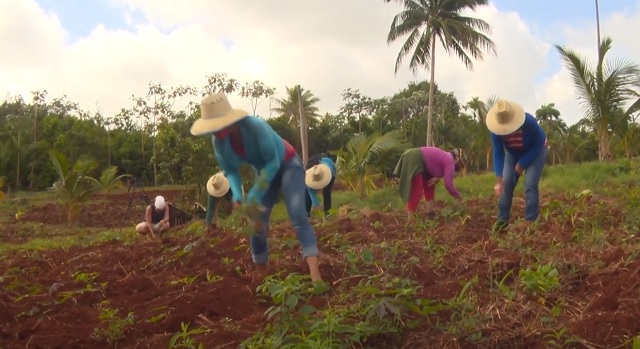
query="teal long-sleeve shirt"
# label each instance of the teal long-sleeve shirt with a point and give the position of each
(326, 161)
(264, 150)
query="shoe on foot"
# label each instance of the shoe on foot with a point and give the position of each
(500, 225)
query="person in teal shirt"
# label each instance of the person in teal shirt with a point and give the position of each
(218, 191)
(320, 175)
(238, 139)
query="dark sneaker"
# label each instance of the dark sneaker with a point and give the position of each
(500, 225)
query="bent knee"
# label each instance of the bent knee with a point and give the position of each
(300, 220)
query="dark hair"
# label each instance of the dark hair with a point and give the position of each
(458, 158)
(314, 160)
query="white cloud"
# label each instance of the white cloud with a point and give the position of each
(326, 48)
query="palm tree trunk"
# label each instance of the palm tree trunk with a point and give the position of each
(109, 142)
(304, 144)
(603, 145)
(18, 165)
(155, 137)
(598, 26)
(431, 90)
(488, 155)
(35, 138)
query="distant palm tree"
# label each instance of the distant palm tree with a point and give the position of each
(425, 22)
(603, 91)
(289, 107)
(547, 112)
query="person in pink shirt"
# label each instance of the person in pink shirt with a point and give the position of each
(420, 169)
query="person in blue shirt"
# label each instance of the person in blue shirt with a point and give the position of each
(519, 145)
(219, 192)
(320, 175)
(239, 138)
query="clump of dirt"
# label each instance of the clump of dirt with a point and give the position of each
(163, 286)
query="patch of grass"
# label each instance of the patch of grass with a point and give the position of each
(66, 241)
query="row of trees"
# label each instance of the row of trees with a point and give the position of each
(150, 139)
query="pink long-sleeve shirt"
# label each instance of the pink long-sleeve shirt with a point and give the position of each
(440, 164)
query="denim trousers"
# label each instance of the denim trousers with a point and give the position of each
(290, 178)
(531, 180)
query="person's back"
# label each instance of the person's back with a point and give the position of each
(441, 164)
(329, 162)
(437, 161)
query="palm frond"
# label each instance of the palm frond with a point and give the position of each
(60, 163)
(583, 79)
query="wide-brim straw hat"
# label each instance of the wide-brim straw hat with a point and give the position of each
(218, 185)
(505, 117)
(318, 176)
(216, 114)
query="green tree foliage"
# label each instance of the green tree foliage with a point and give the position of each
(604, 91)
(361, 161)
(124, 143)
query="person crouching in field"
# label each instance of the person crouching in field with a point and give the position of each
(320, 175)
(156, 219)
(219, 191)
(420, 169)
(519, 144)
(238, 139)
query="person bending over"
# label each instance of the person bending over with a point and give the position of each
(519, 145)
(420, 169)
(239, 138)
(218, 192)
(320, 176)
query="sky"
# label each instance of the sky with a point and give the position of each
(101, 52)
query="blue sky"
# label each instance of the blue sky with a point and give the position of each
(546, 18)
(80, 17)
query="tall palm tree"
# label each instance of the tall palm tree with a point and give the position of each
(425, 22)
(603, 90)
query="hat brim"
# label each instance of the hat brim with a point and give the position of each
(204, 125)
(222, 190)
(504, 129)
(317, 185)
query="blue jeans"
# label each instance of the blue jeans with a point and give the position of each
(510, 180)
(290, 178)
